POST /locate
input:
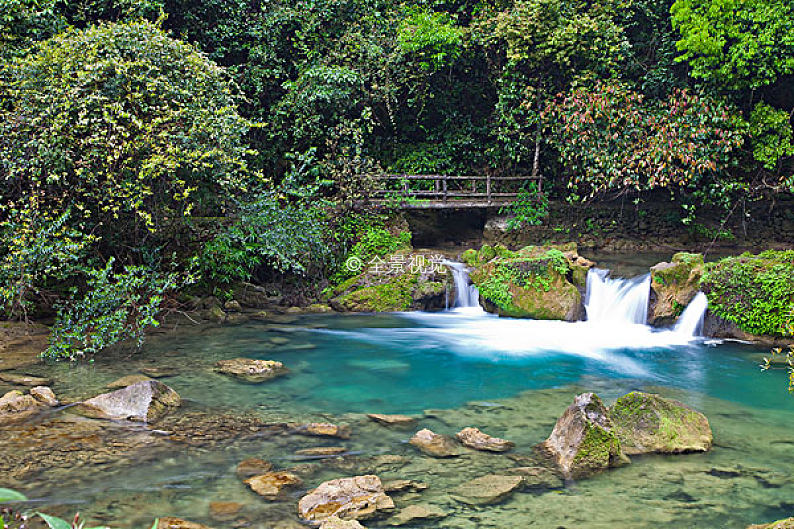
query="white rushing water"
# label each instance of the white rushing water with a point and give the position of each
(690, 323)
(466, 294)
(616, 300)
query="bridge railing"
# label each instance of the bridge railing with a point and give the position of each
(438, 191)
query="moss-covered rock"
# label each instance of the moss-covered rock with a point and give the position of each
(647, 423)
(788, 523)
(538, 282)
(405, 280)
(673, 285)
(755, 293)
(582, 441)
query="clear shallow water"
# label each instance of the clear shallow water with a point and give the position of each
(511, 378)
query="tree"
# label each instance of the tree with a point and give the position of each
(122, 124)
(736, 44)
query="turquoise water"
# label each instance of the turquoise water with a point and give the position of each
(511, 378)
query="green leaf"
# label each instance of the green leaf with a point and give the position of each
(54, 522)
(156, 521)
(7, 495)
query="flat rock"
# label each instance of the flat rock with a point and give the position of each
(44, 395)
(647, 423)
(322, 451)
(324, 429)
(16, 406)
(788, 523)
(435, 445)
(392, 420)
(253, 467)
(488, 489)
(582, 441)
(536, 477)
(335, 522)
(271, 484)
(159, 372)
(169, 522)
(144, 401)
(355, 498)
(224, 510)
(474, 438)
(404, 485)
(251, 370)
(24, 380)
(279, 340)
(416, 512)
(129, 380)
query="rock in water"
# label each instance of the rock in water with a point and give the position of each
(253, 466)
(129, 380)
(324, 429)
(673, 286)
(474, 438)
(647, 423)
(355, 498)
(15, 406)
(582, 441)
(337, 523)
(416, 513)
(487, 489)
(392, 420)
(788, 523)
(24, 380)
(251, 370)
(435, 445)
(177, 523)
(271, 484)
(44, 395)
(145, 401)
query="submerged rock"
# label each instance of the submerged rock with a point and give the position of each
(129, 380)
(169, 522)
(251, 370)
(415, 513)
(536, 477)
(44, 395)
(337, 523)
(534, 282)
(356, 498)
(788, 523)
(159, 372)
(435, 445)
(488, 489)
(392, 420)
(253, 466)
(322, 451)
(673, 286)
(582, 441)
(145, 401)
(15, 406)
(324, 429)
(404, 485)
(647, 423)
(24, 380)
(224, 510)
(271, 484)
(474, 438)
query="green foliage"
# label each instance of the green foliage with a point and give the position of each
(533, 273)
(123, 124)
(289, 238)
(528, 209)
(771, 136)
(8, 495)
(24, 22)
(736, 44)
(756, 292)
(116, 306)
(432, 38)
(375, 242)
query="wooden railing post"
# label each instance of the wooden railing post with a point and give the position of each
(488, 187)
(445, 189)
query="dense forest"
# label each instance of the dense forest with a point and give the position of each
(151, 147)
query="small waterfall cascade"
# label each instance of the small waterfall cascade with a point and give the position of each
(466, 294)
(690, 323)
(616, 300)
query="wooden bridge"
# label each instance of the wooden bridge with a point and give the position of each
(442, 191)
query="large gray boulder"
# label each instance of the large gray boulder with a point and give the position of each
(146, 401)
(582, 441)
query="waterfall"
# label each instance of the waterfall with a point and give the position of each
(690, 323)
(616, 300)
(466, 294)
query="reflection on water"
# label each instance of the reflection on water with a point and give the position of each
(511, 378)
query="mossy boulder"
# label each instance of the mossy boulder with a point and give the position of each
(647, 423)
(405, 280)
(582, 441)
(538, 282)
(750, 297)
(673, 285)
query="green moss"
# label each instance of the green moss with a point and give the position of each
(688, 258)
(394, 295)
(756, 292)
(599, 447)
(469, 257)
